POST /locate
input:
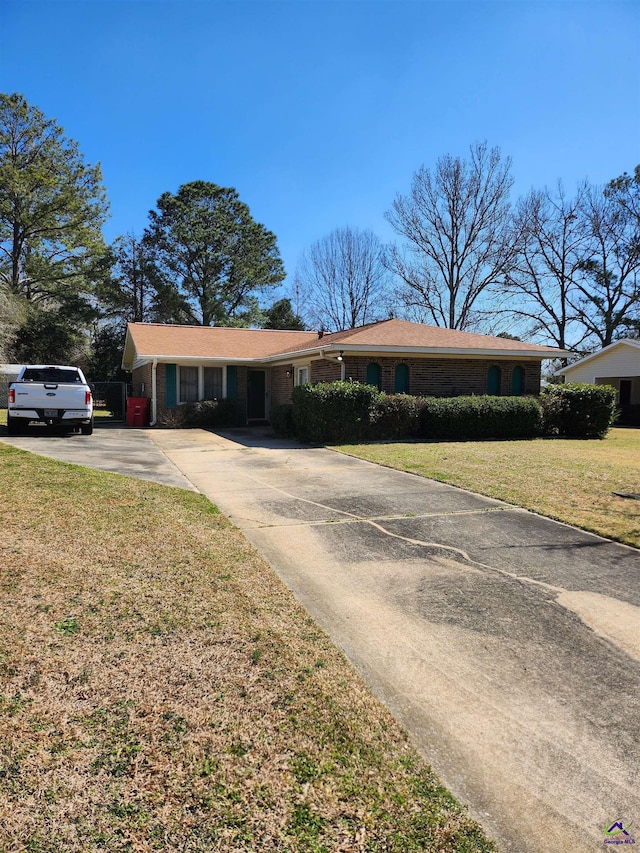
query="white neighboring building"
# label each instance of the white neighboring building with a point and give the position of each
(617, 365)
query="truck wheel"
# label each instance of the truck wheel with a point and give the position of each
(87, 429)
(13, 425)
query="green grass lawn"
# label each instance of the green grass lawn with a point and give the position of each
(160, 689)
(569, 480)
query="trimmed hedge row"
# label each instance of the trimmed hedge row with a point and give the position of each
(281, 418)
(332, 412)
(397, 416)
(481, 417)
(348, 411)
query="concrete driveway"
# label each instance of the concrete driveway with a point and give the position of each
(508, 645)
(112, 447)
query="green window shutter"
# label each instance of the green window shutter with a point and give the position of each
(401, 384)
(493, 381)
(170, 386)
(232, 382)
(374, 375)
(517, 381)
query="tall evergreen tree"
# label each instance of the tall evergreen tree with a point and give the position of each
(282, 316)
(133, 288)
(208, 243)
(52, 207)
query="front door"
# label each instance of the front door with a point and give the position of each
(625, 392)
(256, 395)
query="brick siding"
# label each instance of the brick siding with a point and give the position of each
(281, 384)
(432, 377)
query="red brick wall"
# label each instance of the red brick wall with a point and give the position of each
(325, 371)
(281, 384)
(139, 377)
(433, 377)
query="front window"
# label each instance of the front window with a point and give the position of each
(302, 376)
(517, 381)
(212, 383)
(188, 384)
(374, 375)
(494, 381)
(401, 384)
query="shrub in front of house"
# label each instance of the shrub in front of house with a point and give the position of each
(396, 416)
(480, 417)
(334, 411)
(578, 410)
(281, 418)
(203, 413)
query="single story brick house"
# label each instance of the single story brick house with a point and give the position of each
(259, 367)
(618, 365)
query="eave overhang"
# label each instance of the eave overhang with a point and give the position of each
(333, 350)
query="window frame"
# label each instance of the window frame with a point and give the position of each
(518, 370)
(494, 370)
(404, 368)
(200, 392)
(299, 370)
(182, 367)
(378, 366)
(203, 369)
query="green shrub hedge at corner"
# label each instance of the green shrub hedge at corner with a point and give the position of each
(578, 410)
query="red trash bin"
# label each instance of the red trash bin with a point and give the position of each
(137, 411)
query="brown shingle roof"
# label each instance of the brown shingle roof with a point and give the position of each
(156, 340)
(402, 333)
(148, 340)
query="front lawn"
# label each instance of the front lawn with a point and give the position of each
(570, 480)
(160, 689)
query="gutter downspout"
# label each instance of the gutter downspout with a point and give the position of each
(154, 390)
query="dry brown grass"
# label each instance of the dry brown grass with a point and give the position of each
(570, 480)
(161, 690)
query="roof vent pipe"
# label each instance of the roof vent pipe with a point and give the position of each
(320, 334)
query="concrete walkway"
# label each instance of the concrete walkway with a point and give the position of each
(507, 644)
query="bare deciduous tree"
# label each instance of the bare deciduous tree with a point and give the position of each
(609, 294)
(576, 278)
(457, 224)
(344, 280)
(542, 286)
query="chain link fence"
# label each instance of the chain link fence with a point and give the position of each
(109, 400)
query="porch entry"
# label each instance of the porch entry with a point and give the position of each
(256, 396)
(625, 392)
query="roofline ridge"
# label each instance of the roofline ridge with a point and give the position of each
(229, 328)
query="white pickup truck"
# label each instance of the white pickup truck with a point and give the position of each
(56, 395)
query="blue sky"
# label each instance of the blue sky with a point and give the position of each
(319, 111)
